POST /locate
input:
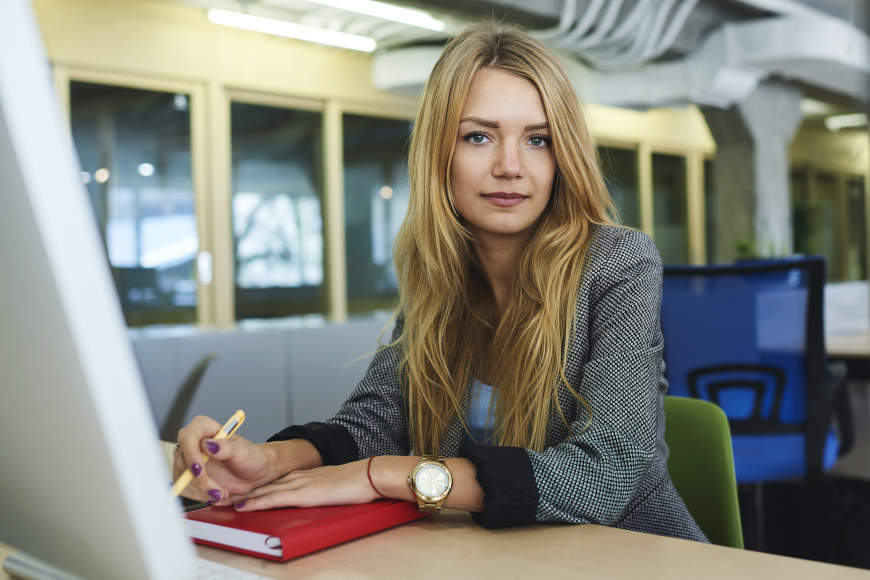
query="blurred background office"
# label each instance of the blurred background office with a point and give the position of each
(246, 162)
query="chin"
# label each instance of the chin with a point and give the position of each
(506, 231)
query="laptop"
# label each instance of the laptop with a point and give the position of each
(84, 485)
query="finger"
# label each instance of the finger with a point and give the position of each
(246, 460)
(271, 489)
(192, 490)
(178, 465)
(226, 450)
(268, 501)
(189, 439)
(191, 435)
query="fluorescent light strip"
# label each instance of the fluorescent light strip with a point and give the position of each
(291, 30)
(837, 122)
(385, 11)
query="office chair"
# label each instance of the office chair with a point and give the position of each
(174, 418)
(701, 465)
(749, 338)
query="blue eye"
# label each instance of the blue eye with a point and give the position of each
(476, 138)
(539, 141)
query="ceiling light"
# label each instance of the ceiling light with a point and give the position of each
(101, 175)
(385, 11)
(291, 30)
(837, 122)
(814, 107)
(179, 101)
(145, 169)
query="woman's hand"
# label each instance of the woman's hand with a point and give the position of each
(236, 466)
(320, 486)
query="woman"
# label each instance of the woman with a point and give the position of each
(527, 349)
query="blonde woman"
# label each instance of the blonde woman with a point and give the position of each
(524, 378)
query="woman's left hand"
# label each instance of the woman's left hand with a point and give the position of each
(318, 486)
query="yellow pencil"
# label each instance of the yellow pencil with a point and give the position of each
(230, 427)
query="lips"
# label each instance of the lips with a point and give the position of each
(504, 198)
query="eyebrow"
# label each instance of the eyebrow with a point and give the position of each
(495, 124)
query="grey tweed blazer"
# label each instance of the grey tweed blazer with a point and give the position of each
(613, 472)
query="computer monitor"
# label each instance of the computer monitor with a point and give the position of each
(84, 486)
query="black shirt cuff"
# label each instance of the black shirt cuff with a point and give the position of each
(510, 494)
(335, 443)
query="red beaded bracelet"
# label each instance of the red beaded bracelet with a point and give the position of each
(369, 473)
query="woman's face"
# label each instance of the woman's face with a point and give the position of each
(503, 165)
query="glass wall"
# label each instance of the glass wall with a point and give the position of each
(710, 211)
(829, 218)
(277, 211)
(375, 202)
(829, 225)
(619, 167)
(856, 250)
(134, 147)
(670, 210)
(803, 214)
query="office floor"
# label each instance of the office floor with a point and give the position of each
(856, 463)
(827, 521)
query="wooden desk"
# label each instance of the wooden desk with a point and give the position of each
(854, 350)
(849, 346)
(452, 546)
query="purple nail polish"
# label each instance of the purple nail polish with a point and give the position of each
(196, 469)
(209, 503)
(240, 505)
(216, 494)
(212, 447)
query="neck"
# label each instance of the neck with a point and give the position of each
(499, 256)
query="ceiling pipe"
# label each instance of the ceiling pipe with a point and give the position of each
(726, 68)
(656, 44)
(566, 19)
(583, 24)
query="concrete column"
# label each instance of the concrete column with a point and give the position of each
(751, 172)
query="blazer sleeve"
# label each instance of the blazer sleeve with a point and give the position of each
(372, 421)
(591, 476)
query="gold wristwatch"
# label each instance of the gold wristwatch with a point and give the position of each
(431, 483)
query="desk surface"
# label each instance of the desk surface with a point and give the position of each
(848, 346)
(451, 545)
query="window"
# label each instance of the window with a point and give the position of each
(375, 202)
(710, 211)
(803, 214)
(829, 218)
(856, 251)
(829, 225)
(134, 149)
(670, 207)
(619, 167)
(277, 211)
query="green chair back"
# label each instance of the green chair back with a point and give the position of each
(701, 466)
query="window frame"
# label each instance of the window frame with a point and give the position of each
(64, 75)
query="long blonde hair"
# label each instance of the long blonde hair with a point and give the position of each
(452, 330)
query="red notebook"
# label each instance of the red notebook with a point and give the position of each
(285, 533)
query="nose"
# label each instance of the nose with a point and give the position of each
(507, 163)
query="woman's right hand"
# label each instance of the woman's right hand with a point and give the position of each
(236, 465)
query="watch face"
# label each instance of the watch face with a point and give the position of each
(432, 481)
